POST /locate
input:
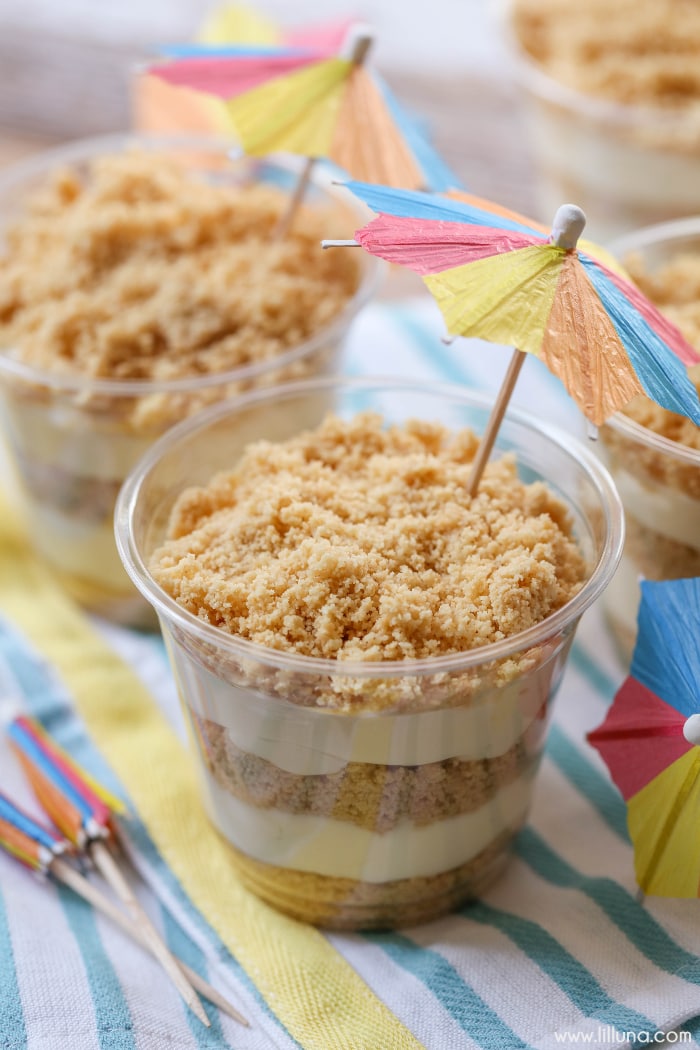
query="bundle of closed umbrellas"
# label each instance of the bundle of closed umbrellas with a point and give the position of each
(85, 829)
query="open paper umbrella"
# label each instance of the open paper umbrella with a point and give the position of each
(650, 740)
(317, 105)
(160, 107)
(505, 278)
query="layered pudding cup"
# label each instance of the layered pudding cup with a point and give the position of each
(71, 439)
(659, 484)
(379, 818)
(626, 166)
(658, 479)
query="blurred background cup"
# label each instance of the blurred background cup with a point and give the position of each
(627, 166)
(72, 439)
(365, 818)
(658, 478)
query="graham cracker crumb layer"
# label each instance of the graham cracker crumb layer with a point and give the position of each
(358, 542)
(141, 269)
(376, 797)
(635, 52)
(351, 904)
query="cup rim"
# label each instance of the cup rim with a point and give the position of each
(638, 240)
(533, 77)
(241, 648)
(373, 269)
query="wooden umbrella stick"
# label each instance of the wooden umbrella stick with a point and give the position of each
(108, 868)
(497, 413)
(80, 885)
(355, 49)
(287, 217)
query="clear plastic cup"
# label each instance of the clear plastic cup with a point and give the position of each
(658, 479)
(626, 166)
(382, 818)
(73, 440)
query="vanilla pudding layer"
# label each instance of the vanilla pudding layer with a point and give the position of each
(336, 849)
(660, 509)
(389, 797)
(71, 465)
(306, 741)
(613, 172)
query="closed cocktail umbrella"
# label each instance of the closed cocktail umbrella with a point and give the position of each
(72, 802)
(41, 850)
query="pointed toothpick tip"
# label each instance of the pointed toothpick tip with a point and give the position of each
(340, 244)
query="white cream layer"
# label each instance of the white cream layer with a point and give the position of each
(84, 549)
(306, 740)
(662, 509)
(66, 439)
(342, 850)
(619, 178)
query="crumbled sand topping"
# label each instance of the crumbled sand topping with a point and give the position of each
(357, 542)
(145, 271)
(638, 52)
(675, 289)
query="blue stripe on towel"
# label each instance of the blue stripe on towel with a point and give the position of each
(448, 363)
(456, 997)
(627, 914)
(112, 1016)
(574, 979)
(596, 677)
(181, 945)
(588, 781)
(13, 1031)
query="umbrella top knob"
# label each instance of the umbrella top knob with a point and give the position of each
(357, 43)
(691, 729)
(567, 227)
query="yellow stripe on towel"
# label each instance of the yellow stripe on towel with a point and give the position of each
(318, 997)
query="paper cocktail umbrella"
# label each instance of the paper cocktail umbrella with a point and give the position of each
(650, 740)
(316, 105)
(160, 108)
(40, 849)
(71, 801)
(499, 276)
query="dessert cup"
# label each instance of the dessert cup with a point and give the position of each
(364, 817)
(658, 479)
(626, 166)
(72, 438)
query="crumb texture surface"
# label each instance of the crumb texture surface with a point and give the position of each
(356, 541)
(637, 52)
(143, 270)
(675, 289)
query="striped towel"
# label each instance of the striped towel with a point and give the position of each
(559, 952)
